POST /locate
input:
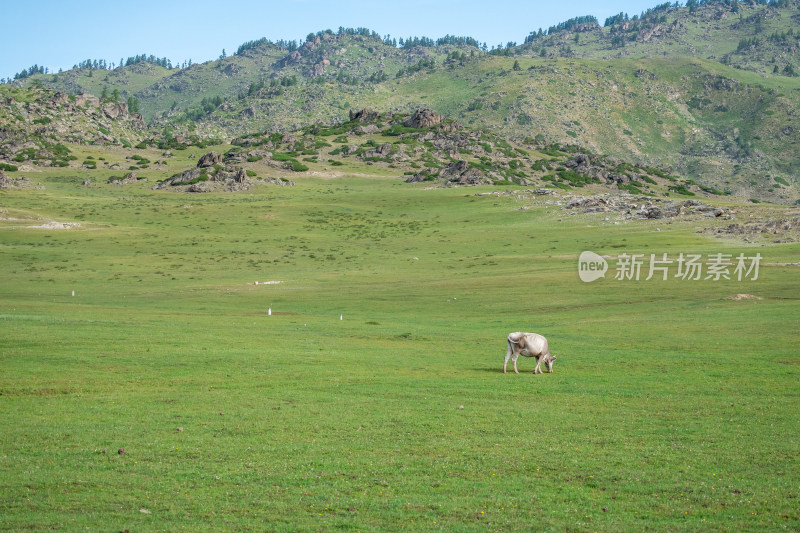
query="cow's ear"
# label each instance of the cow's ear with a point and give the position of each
(552, 357)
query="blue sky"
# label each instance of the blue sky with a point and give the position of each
(60, 33)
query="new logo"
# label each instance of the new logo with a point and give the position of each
(591, 267)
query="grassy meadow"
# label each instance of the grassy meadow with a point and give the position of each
(162, 395)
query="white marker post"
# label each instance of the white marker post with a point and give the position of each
(269, 312)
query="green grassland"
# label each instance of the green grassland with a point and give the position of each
(672, 406)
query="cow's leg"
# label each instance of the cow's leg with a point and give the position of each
(515, 363)
(538, 369)
(508, 355)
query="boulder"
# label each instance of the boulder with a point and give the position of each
(209, 160)
(137, 121)
(364, 115)
(424, 118)
(201, 186)
(294, 57)
(453, 171)
(381, 151)
(589, 204)
(417, 178)
(277, 181)
(83, 100)
(474, 176)
(650, 211)
(317, 70)
(580, 163)
(130, 177)
(116, 110)
(60, 98)
(366, 130)
(671, 209)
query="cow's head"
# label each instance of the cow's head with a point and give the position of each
(549, 362)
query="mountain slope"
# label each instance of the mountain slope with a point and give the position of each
(720, 126)
(707, 91)
(35, 124)
(748, 36)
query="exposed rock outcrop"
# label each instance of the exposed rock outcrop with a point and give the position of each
(209, 160)
(639, 207)
(456, 173)
(778, 230)
(117, 110)
(130, 177)
(363, 115)
(424, 118)
(21, 182)
(211, 175)
(382, 151)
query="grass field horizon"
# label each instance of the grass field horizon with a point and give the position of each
(163, 396)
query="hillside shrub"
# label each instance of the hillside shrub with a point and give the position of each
(399, 129)
(711, 190)
(288, 158)
(680, 189)
(202, 177)
(575, 179)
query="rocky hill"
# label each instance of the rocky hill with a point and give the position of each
(426, 148)
(36, 125)
(709, 90)
(756, 36)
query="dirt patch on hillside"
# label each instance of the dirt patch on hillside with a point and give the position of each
(57, 225)
(740, 297)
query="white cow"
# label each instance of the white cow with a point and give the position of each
(529, 345)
